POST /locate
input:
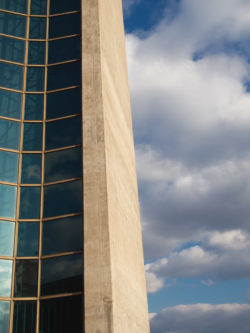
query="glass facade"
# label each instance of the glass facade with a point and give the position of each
(41, 206)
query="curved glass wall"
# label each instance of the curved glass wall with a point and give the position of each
(41, 224)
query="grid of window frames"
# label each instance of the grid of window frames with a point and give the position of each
(41, 260)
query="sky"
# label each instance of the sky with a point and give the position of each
(189, 73)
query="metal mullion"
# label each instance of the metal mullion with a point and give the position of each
(62, 148)
(28, 258)
(57, 217)
(25, 298)
(6, 258)
(62, 181)
(5, 299)
(9, 150)
(12, 62)
(63, 37)
(12, 12)
(64, 13)
(61, 254)
(61, 295)
(64, 117)
(28, 220)
(64, 62)
(7, 219)
(31, 152)
(30, 185)
(8, 183)
(10, 36)
(63, 89)
(10, 119)
(10, 89)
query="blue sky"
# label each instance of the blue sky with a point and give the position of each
(189, 72)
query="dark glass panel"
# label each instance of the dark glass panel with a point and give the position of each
(8, 166)
(65, 75)
(5, 277)
(8, 201)
(61, 315)
(11, 76)
(33, 107)
(24, 317)
(38, 7)
(11, 49)
(64, 25)
(62, 133)
(64, 103)
(64, 49)
(61, 6)
(14, 25)
(30, 203)
(35, 79)
(26, 278)
(9, 134)
(7, 230)
(37, 28)
(28, 235)
(64, 164)
(63, 235)
(19, 6)
(31, 169)
(63, 199)
(36, 53)
(62, 275)
(32, 136)
(4, 316)
(10, 104)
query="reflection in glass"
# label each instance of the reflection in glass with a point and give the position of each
(7, 230)
(11, 49)
(5, 277)
(38, 7)
(37, 28)
(64, 25)
(8, 201)
(31, 169)
(11, 76)
(63, 235)
(8, 166)
(9, 134)
(30, 203)
(62, 275)
(63, 199)
(32, 136)
(28, 233)
(19, 6)
(35, 79)
(24, 317)
(60, 6)
(14, 25)
(33, 107)
(64, 164)
(65, 75)
(62, 133)
(10, 104)
(57, 315)
(36, 53)
(4, 316)
(26, 278)
(64, 49)
(64, 103)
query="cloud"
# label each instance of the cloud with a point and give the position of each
(202, 318)
(128, 4)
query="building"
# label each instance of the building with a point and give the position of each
(70, 240)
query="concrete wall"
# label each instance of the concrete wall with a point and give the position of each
(115, 291)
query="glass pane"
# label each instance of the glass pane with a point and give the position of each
(62, 133)
(11, 76)
(5, 277)
(7, 201)
(33, 107)
(4, 316)
(30, 203)
(64, 164)
(7, 230)
(8, 166)
(19, 6)
(64, 49)
(28, 234)
(24, 317)
(9, 134)
(57, 315)
(62, 275)
(14, 25)
(64, 25)
(60, 6)
(38, 7)
(64, 103)
(31, 169)
(26, 278)
(36, 53)
(62, 76)
(63, 235)
(10, 104)
(35, 79)
(11, 49)
(63, 199)
(32, 136)
(37, 28)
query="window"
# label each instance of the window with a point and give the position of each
(30, 203)
(28, 234)
(7, 230)
(14, 25)
(32, 136)
(37, 28)
(64, 25)
(65, 75)
(64, 49)
(33, 107)
(38, 7)
(31, 169)
(4, 316)
(11, 76)
(24, 317)
(26, 278)
(8, 166)
(12, 49)
(8, 201)
(9, 134)
(19, 6)
(10, 104)
(60, 6)
(35, 79)
(5, 277)
(36, 53)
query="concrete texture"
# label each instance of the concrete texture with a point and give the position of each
(114, 279)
